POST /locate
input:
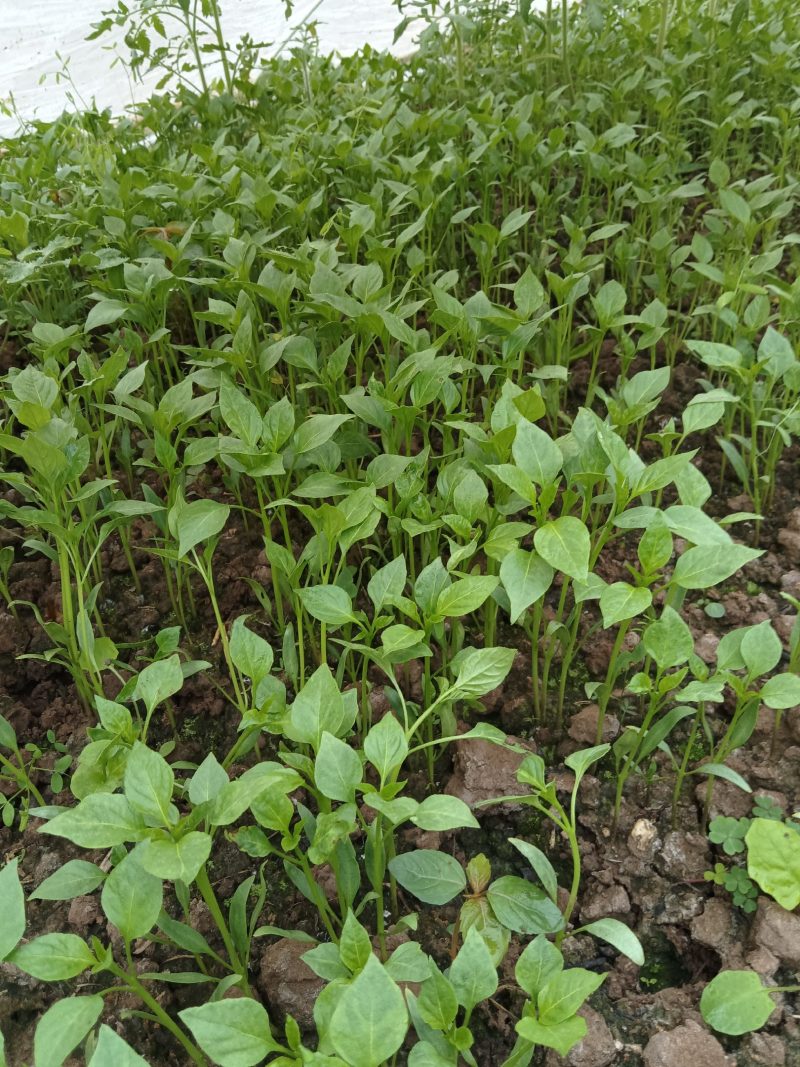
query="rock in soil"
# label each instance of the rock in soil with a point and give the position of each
(777, 931)
(583, 726)
(718, 928)
(287, 984)
(643, 840)
(685, 856)
(605, 901)
(685, 1046)
(767, 1049)
(484, 770)
(597, 1049)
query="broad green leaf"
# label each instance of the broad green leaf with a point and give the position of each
(440, 812)
(319, 706)
(408, 963)
(736, 1002)
(464, 596)
(355, 947)
(385, 746)
(619, 935)
(158, 681)
(74, 879)
(621, 601)
(562, 1036)
(773, 860)
(781, 691)
(482, 670)
(175, 860)
(240, 413)
(705, 565)
(540, 863)
(565, 993)
(251, 654)
(207, 781)
(62, 1028)
(233, 1033)
(197, 522)
(523, 907)
(565, 545)
(100, 820)
(387, 584)
(433, 877)
(54, 957)
(472, 974)
(327, 603)
(536, 453)
(539, 961)
(111, 1049)
(148, 785)
(132, 898)
(337, 768)
(316, 430)
(370, 1021)
(13, 905)
(437, 1001)
(761, 649)
(581, 761)
(668, 640)
(526, 577)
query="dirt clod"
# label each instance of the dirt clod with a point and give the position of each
(685, 1045)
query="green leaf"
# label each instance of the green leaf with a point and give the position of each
(251, 654)
(482, 670)
(54, 957)
(387, 583)
(148, 785)
(440, 812)
(433, 877)
(565, 993)
(197, 522)
(319, 706)
(464, 596)
(773, 860)
(175, 860)
(385, 746)
(565, 545)
(111, 1049)
(240, 413)
(13, 903)
(705, 565)
(540, 863)
(562, 1036)
(523, 907)
(337, 768)
(621, 601)
(355, 947)
(101, 820)
(159, 681)
(104, 313)
(581, 761)
(736, 1002)
(408, 963)
(526, 577)
(316, 430)
(132, 898)
(207, 781)
(539, 961)
(719, 770)
(781, 691)
(761, 649)
(74, 879)
(620, 936)
(735, 205)
(668, 640)
(327, 603)
(370, 1021)
(233, 1033)
(536, 453)
(437, 1002)
(472, 974)
(62, 1028)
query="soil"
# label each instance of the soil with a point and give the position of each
(641, 870)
